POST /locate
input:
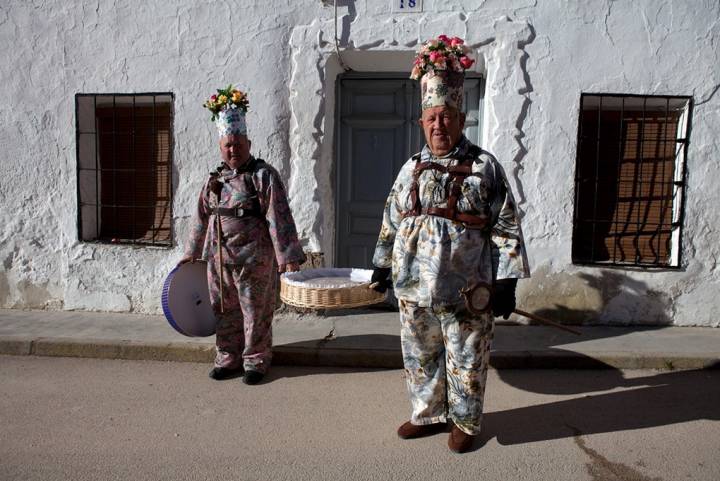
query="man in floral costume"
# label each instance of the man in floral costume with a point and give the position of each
(258, 238)
(450, 232)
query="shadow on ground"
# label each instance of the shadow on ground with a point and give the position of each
(662, 399)
(659, 400)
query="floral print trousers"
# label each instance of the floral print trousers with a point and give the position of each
(446, 351)
(244, 330)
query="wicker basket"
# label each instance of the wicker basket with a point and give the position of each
(334, 288)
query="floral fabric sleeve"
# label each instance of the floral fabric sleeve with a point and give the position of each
(392, 216)
(198, 231)
(508, 247)
(281, 225)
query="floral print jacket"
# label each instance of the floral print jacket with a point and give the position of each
(432, 257)
(246, 240)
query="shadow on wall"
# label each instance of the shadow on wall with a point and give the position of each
(608, 298)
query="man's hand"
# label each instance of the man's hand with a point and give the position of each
(380, 280)
(185, 260)
(289, 267)
(503, 299)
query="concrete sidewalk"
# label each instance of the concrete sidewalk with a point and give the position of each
(354, 338)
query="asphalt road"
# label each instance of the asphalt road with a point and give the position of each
(77, 419)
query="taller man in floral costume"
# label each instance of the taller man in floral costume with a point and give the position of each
(452, 240)
(257, 236)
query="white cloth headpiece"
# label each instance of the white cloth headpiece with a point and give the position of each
(442, 88)
(231, 121)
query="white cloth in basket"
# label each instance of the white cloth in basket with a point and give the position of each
(328, 278)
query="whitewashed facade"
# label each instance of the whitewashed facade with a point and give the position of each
(537, 58)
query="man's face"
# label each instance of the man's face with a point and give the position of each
(235, 150)
(442, 127)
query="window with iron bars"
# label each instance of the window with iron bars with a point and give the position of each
(630, 180)
(124, 168)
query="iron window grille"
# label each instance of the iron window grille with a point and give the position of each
(630, 179)
(124, 168)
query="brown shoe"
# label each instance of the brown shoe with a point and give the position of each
(459, 441)
(410, 430)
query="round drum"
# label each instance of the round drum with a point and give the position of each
(186, 300)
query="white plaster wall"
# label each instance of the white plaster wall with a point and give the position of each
(55, 49)
(538, 58)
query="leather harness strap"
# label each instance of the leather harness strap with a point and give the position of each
(458, 174)
(252, 210)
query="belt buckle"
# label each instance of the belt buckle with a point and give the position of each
(239, 212)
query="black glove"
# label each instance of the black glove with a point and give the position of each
(380, 280)
(503, 299)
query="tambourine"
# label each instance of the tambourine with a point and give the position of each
(186, 300)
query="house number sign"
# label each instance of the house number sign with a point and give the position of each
(407, 6)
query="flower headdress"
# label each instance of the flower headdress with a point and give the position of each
(440, 66)
(441, 54)
(227, 98)
(228, 108)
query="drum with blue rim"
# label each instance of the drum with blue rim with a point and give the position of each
(186, 300)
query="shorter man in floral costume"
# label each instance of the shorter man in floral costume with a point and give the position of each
(257, 238)
(451, 239)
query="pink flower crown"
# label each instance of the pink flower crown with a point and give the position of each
(442, 53)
